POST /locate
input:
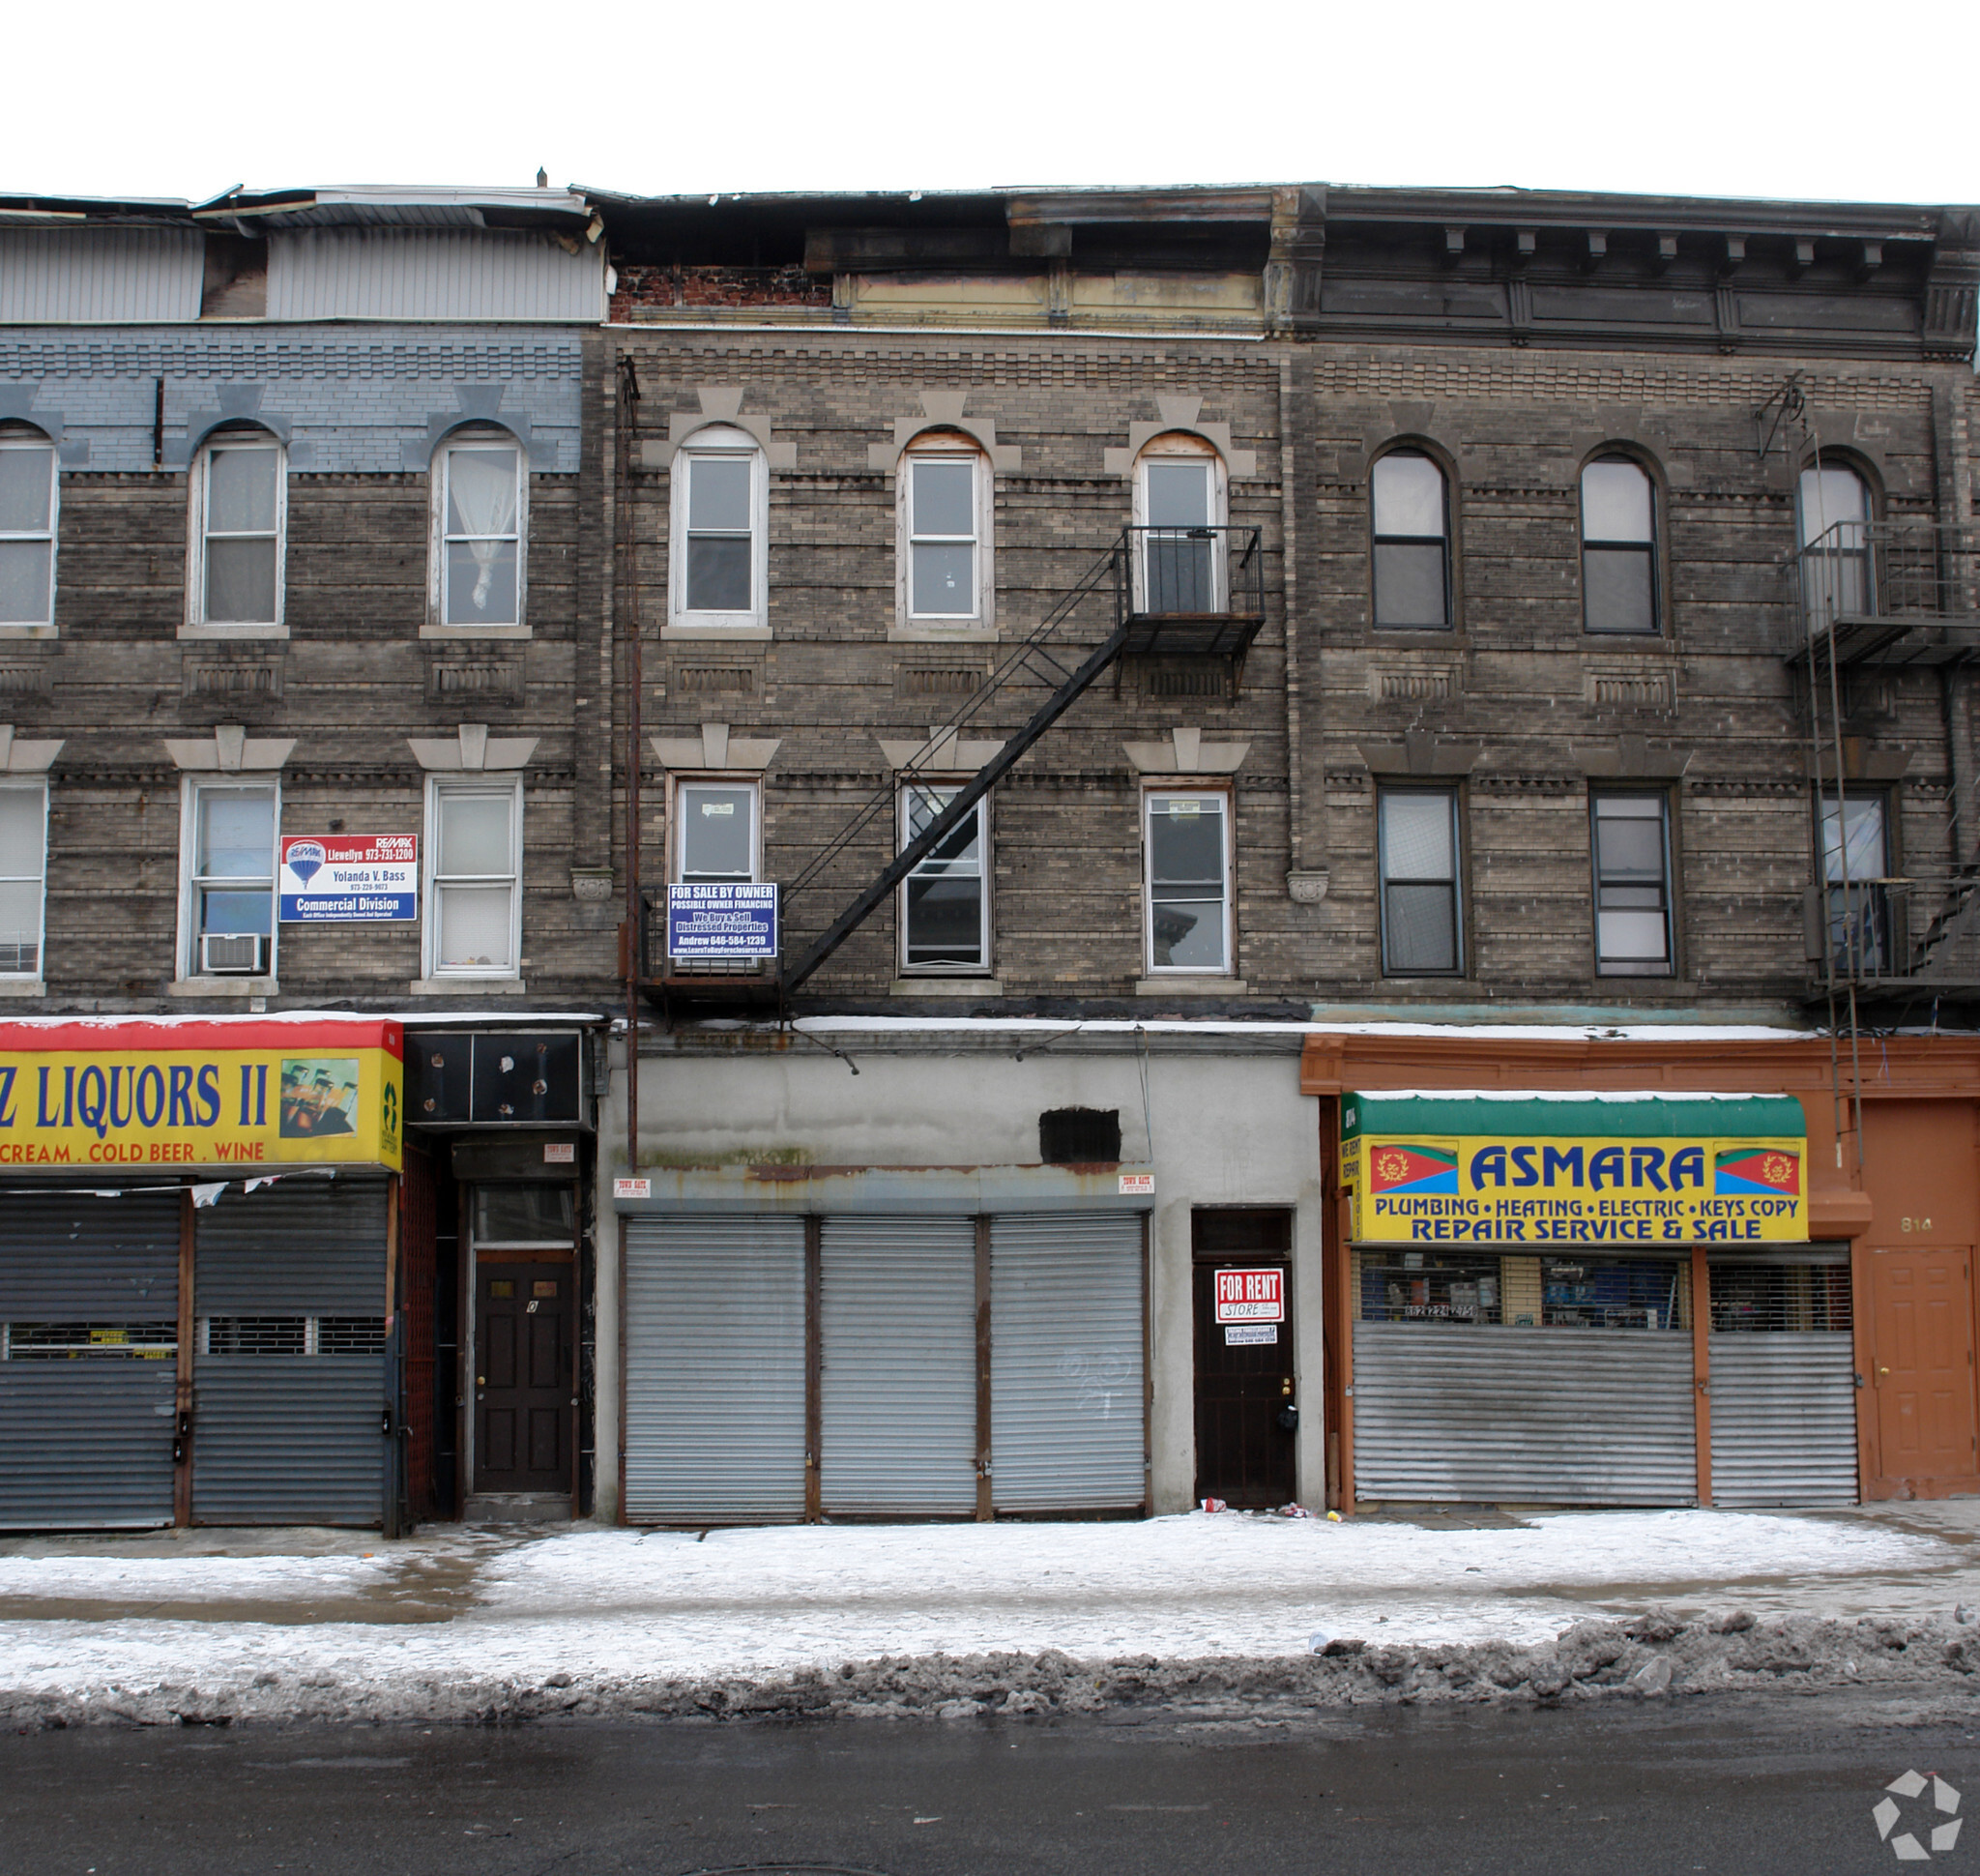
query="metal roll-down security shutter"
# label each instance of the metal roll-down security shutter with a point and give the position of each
(89, 1307)
(1532, 1416)
(714, 1370)
(289, 1385)
(1068, 1423)
(1783, 1380)
(897, 1384)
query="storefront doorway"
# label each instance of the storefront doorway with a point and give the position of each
(1246, 1406)
(1922, 1308)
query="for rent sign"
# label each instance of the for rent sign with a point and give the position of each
(1251, 1296)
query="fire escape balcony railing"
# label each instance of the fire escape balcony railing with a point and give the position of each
(1892, 933)
(1190, 592)
(1886, 592)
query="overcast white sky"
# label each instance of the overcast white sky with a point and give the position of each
(1686, 97)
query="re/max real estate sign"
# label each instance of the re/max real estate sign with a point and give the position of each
(349, 879)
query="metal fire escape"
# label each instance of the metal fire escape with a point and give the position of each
(1194, 592)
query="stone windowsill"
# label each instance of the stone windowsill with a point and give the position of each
(233, 631)
(714, 635)
(1190, 986)
(224, 987)
(474, 632)
(22, 986)
(466, 986)
(945, 987)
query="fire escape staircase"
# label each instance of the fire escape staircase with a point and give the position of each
(1176, 593)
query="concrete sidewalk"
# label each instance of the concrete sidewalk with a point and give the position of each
(464, 1619)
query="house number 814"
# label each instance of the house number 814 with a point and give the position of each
(1914, 1224)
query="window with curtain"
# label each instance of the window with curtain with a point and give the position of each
(1422, 932)
(1187, 844)
(1410, 505)
(1618, 546)
(481, 531)
(230, 878)
(28, 493)
(23, 866)
(473, 910)
(1833, 516)
(1632, 850)
(239, 484)
(719, 562)
(946, 900)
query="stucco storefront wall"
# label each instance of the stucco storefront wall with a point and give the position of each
(738, 1127)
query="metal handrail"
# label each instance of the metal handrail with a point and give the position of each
(1920, 572)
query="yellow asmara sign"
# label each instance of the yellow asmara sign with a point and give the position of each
(1583, 1190)
(154, 1095)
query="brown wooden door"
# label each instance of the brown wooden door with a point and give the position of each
(1922, 1337)
(522, 1377)
(1243, 1454)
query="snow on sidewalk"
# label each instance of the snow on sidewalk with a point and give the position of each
(627, 1605)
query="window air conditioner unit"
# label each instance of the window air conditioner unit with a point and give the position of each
(232, 954)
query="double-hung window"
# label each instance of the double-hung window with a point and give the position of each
(474, 905)
(1187, 842)
(229, 843)
(481, 502)
(23, 866)
(1618, 546)
(1856, 871)
(28, 495)
(1422, 932)
(942, 528)
(1412, 515)
(1632, 853)
(716, 834)
(946, 900)
(719, 561)
(242, 509)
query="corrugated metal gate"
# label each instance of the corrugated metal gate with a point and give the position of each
(714, 1370)
(717, 1365)
(89, 1301)
(898, 1381)
(290, 1382)
(1068, 1423)
(1531, 1415)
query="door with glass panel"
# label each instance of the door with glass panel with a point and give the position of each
(1856, 884)
(232, 883)
(715, 844)
(1180, 543)
(946, 900)
(1832, 505)
(1188, 849)
(477, 850)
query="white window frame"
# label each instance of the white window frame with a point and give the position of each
(1605, 966)
(679, 788)
(1175, 446)
(39, 790)
(475, 438)
(1383, 879)
(31, 439)
(947, 789)
(719, 440)
(1227, 803)
(944, 447)
(197, 623)
(431, 882)
(192, 789)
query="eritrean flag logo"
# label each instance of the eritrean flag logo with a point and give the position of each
(1766, 1172)
(1396, 1168)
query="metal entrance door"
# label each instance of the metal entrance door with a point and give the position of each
(522, 1377)
(1244, 1430)
(1922, 1305)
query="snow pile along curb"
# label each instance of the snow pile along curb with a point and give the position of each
(1650, 1657)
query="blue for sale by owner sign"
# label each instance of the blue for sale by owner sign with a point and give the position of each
(721, 920)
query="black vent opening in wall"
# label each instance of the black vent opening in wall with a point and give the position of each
(1080, 1137)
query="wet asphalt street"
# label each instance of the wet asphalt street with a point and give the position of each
(1736, 1784)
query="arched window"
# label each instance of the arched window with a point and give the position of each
(29, 493)
(1833, 514)
(945, 503)
(1410, 503)
(719, 564)
(1618, 546)
(1179, 495)
(240, 523)
(481, 498)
